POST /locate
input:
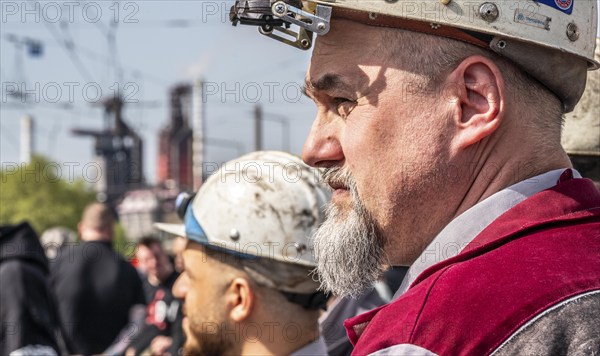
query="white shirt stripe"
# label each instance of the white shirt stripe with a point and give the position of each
(462, 230)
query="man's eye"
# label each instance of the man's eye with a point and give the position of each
(344, 106)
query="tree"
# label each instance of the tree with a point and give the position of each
(42, 193)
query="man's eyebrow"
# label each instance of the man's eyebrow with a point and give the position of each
(308, 89)
(325, 83)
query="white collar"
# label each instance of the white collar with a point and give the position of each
(463, 229)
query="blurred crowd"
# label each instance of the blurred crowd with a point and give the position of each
(72, 293)
(67, 293)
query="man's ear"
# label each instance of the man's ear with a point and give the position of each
(240, 299)
(478, 93)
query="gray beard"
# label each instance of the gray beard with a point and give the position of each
(349, 246)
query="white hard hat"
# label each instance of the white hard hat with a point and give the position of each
(552, 40)
(173, 229)
(264, 205)
(581, 132)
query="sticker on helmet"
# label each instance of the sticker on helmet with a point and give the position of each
(532, 19)
(565, 6)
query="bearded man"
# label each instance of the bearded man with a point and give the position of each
(440, 137)
(246, 283)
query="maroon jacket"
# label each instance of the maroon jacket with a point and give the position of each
(539, 253)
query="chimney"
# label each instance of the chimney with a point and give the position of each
(198, 132)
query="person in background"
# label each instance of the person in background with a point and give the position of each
(161, 332)
(100, 297)
(155, 265)
(28, 321)
(246, 286)
(53, 239)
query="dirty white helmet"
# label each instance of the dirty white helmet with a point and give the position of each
(264, 205)
(173, 229)
(551, 40)
(581, 133)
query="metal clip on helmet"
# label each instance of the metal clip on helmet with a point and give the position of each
(275, 17)
(551, 40)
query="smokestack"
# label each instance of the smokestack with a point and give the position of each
(26, 139)
(198, 132)
(258, 118)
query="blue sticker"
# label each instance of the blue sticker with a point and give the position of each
(194, 232)
(565, 6)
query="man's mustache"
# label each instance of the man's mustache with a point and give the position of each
(338, 177)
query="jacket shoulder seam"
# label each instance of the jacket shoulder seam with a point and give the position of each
(429, 291)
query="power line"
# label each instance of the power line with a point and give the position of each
(110, 32)
(29, 105)
(134, 71)
(69, 48)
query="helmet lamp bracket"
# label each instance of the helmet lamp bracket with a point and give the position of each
(275, 17)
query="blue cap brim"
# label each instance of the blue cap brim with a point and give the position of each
(194, 232)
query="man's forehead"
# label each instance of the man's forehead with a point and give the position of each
(195, 259)
(195, 252)
(192, 246)
(338, 56)
(346, 35)
(345, 43)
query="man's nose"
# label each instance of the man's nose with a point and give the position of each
(322, 147)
